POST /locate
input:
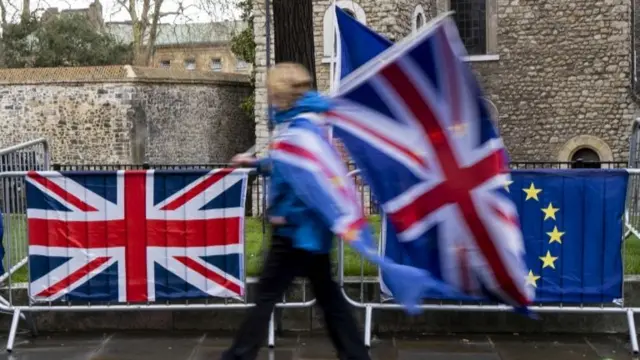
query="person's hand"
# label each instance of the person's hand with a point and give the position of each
(243, 159)
(277, 220)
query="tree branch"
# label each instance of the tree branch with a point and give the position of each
(122, 5)
(26, 10)
(153, 32)
(3, 14)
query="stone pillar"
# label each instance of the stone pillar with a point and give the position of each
(261, 107)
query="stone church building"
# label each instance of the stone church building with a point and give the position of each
(558, 74)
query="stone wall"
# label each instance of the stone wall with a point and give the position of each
(564, 73)
(125, 114)
(194, 123)
(561, 80)
(391, 18)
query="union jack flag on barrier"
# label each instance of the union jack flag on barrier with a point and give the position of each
(414, 121)
(136, 236)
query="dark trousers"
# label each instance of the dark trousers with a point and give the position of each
(283, 264)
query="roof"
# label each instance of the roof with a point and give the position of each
(175, 34)
(116, 73)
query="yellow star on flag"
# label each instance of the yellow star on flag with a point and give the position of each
(531, 279)
(532, 192)
(550, 212)
(548, 260)
(507, 184)
(555, 235)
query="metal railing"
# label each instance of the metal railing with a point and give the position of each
(17, 237)
(255, 206)
(29, 156)
(379, 301)
(16, 233)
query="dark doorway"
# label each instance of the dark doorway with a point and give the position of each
(585, 158)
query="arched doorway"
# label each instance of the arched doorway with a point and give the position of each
(585, 158)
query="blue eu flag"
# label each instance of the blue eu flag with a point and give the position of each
(572, 221)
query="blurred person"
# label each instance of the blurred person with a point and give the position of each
(301, 239)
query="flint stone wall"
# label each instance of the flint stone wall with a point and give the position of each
(125, 114)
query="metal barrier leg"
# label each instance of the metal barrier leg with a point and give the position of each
(32, 324)
(13, 330)
(632, 331)
(368, 314)
(272, 336)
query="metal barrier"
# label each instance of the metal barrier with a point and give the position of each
(632, 215)
(382, 303)
(16, 232)
(31, 155)
(16, 235)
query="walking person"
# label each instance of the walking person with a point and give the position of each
(301, 240)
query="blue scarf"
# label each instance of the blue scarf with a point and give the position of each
(311, 101)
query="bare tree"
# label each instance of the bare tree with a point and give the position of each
(3, 14)
(11, 12)
(146, 16)
(26, 10)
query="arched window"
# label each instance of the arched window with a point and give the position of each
(585, 158)
(335, 38)
(419, 19)
(329, 39)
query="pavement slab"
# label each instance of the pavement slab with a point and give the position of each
(204, 346)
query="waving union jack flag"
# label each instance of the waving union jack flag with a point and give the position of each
(136, 236)
(414, 121)
(316, 174)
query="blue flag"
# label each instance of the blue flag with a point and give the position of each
(358, 44)
(572, 222)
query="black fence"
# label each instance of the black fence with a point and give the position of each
(517, 165)
(255, 189)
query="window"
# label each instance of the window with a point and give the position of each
(585, 158)
(242, 65)
(471, 18)
(418, 19)
(216, 65)
(477, 22)
(190, 64)
(328, 28)
(165, 64)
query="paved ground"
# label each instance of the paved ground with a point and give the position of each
(125, 346)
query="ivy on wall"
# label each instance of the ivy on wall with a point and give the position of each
(244, 47)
